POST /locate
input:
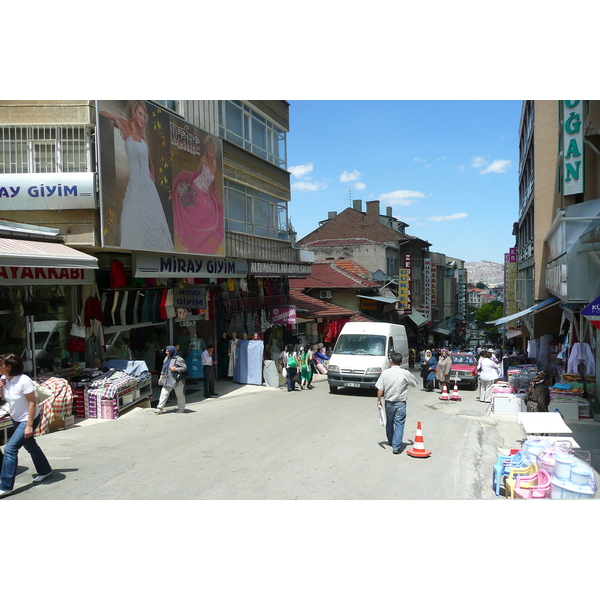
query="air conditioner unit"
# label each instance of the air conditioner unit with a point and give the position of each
(325, 293)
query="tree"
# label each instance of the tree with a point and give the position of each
(480, 285)
(491, 311)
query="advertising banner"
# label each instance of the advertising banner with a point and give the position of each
(404, 285)
(161, 181)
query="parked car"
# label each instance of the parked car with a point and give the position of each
(464, 369)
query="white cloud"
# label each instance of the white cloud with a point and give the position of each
(301, 171)
(402, 197)
(449, 217)
(461, 167)
(308, 186)
(422, 160)
(359, 185)
(479, 162)
(497, 166)
(354, 176)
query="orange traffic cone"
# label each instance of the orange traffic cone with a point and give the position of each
(455, 395)
(418, 449)
(444, 395)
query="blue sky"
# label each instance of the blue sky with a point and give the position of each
(448, 168)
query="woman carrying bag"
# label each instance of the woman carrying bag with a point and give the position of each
(171, 378)
(428, 371)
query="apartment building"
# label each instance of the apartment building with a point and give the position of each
(182, 203)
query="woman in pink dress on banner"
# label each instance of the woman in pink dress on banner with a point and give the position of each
(197, 209)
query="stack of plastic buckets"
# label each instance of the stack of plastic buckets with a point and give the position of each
(572, 479)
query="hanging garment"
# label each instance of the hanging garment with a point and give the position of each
(581, 354)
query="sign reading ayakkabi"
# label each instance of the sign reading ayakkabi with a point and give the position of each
(572, 147)
(185, 265)
(47, 191)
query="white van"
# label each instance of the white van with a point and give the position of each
(362, 352)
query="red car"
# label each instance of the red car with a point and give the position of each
(464, 369)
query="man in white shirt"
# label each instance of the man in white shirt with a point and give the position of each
(392, 387)
(209, 371)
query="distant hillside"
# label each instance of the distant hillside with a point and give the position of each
(489, 272)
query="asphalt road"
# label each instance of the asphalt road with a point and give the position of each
(274, 445)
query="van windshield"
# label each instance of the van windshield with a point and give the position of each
(356, 343)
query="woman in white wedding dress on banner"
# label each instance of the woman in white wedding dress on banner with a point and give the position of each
(142, 225)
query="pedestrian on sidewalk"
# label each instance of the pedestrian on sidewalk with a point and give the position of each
(17, 390)
(488, 373)
(290, 360)
(444, 367)
(537, 398)
(428, 371)
(209, 371)
(392, 388)
(169, 381)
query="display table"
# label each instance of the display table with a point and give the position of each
(542, 422)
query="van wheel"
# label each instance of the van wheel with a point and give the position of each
(333, 389)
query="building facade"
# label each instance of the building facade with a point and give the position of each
(185, 208)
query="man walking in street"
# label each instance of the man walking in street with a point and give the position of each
(392, 387)
(209, 372)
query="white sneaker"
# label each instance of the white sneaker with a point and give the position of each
(158, 411)
(5, 493)
(180, 411)
(38, 478)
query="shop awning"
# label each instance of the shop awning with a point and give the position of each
(386, 299)
(512, 333)
(541, 306)
(442, 330)
(53, 255)
(417, 318)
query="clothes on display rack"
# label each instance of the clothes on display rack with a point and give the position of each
(581, 354)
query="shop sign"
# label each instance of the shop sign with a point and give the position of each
(510, 278)
(275, 268)
(572, 150)
(192, 297)
(368, 304)
(427, 312)
(45, 276)
(283, 315)
(47, 191)
(185, 265)
(592, 312)
(404, 285)
(462, 294)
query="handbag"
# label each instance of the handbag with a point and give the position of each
(292, 362)
(179, 376)
(284, 372)
(76, 344)
(77, 329)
